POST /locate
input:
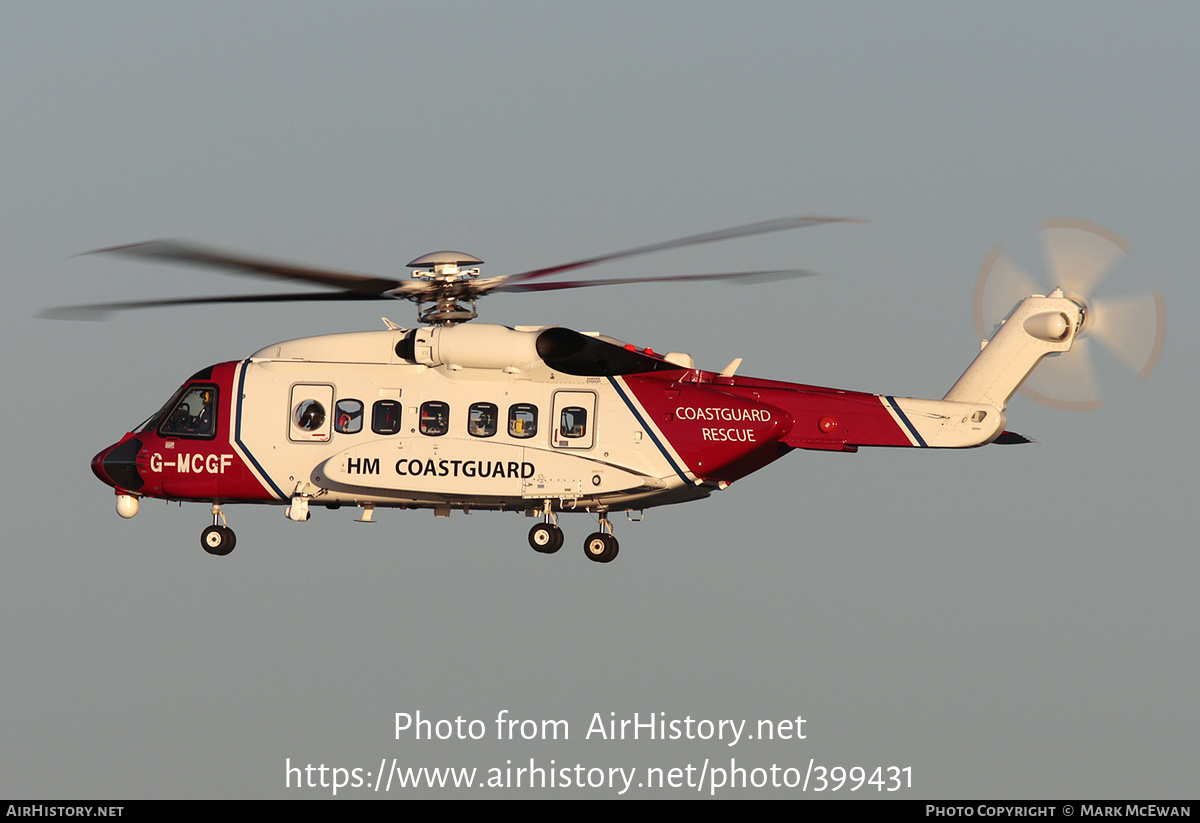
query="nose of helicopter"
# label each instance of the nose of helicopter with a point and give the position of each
(116, 466)
(98, 465)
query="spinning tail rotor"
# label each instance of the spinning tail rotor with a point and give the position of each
(1080, 257)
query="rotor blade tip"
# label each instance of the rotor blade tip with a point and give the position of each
(1086, 225)
(72, 313)
(124, 247)
(1160, 337)
(825, 219)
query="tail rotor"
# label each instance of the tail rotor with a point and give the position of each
(1080, 258)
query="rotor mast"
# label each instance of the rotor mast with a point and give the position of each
(448, 282)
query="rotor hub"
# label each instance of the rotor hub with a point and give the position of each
(445, 265)
(450, 280)
(1084, 314)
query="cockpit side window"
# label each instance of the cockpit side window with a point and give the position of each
(195, 415)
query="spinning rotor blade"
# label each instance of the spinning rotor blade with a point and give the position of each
(695, 239)
(100, 311)
(742, 277)
(1002, 283)
(1132, 329)
(177, 252)
(1080, 257)
(427, 288)
(1066, 381)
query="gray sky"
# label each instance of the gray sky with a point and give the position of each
(1008, 622)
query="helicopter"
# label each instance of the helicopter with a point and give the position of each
(546, 421)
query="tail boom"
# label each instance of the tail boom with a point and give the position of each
(1037, 327)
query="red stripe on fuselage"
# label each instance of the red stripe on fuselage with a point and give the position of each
(725, 428)
(185, 468)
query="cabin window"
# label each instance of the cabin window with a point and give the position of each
(348, 416)
(572, 422)
(522, 420)
(483, 419)
(194, 415)
(309, 415)
(385, 417)
(435, 418)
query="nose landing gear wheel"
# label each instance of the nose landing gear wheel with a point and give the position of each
(218, 540)
(546, 538)
(601, 547)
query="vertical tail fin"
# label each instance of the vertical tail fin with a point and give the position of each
(1037, 327)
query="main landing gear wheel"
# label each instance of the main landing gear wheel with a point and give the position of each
(546, 538)
(218, 540)
(601, 547)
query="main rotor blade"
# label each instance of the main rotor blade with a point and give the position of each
(744, 277)
(177, 252)
(99, 311)
(695, 239)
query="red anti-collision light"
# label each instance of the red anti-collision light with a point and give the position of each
(827, 424)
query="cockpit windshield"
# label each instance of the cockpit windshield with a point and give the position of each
(151, 422)
(192, 413)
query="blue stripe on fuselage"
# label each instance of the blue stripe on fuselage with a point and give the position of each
(649, 430)
(237, 433)
(907, 423)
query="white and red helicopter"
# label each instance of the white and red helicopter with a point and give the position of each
(544, 420)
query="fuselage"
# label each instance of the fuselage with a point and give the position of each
(491, 417)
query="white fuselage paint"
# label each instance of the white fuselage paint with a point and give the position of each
(625, 466)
